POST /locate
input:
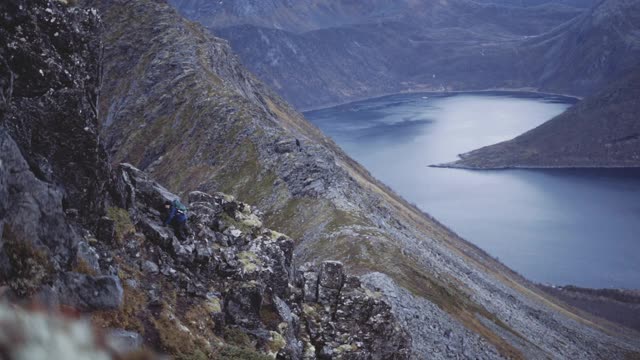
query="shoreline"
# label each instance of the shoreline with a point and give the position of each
(531, 167)
(417, 91)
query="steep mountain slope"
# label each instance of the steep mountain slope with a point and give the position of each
(589, 52)
(184, 110)
(601, 131)
(430, 46)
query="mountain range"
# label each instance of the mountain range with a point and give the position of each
(424, 46)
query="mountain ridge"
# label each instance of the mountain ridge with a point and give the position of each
(217, 131)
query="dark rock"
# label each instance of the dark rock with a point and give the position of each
(106, 231)
(242, 305)
(330, 282)
(331, 274)
(147, 190)
(53, 51)
(203, 252)
(156, 232)
(88, 293)
(310, 286)
(201, 197)
(36, 225)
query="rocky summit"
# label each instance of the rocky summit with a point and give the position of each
(92, 123)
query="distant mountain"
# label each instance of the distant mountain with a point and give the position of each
(525, 3)
(392, 46)
(601, 131)
(308, 15)
(426, 46)
(588, 52)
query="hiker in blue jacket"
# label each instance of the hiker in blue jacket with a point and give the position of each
(177, 218)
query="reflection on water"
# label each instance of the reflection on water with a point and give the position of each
(555, 226)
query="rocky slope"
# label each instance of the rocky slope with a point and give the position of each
(427, 46)
(600, 131)
(185, 110)
(229, 291)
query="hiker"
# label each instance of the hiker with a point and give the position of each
(177, 218)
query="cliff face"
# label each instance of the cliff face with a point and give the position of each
(600, 131)
(185, 110)
(55, 178)
(50, 69)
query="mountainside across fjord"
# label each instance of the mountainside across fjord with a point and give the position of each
(588, 53)
(304, 16)
(184, 110)
(396, 46)
(601, 131)
(427, 46)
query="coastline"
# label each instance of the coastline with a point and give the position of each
(453, 165)
(524, 90)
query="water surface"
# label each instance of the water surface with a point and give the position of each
(557, 226)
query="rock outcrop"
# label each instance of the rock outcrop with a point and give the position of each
(234, 276)
(51, 67)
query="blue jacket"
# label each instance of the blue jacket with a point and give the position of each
(174, 214)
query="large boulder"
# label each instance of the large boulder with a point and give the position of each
(89, 293)
(156, 232)
(242, 305)
(147, 192)
(36, 239)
